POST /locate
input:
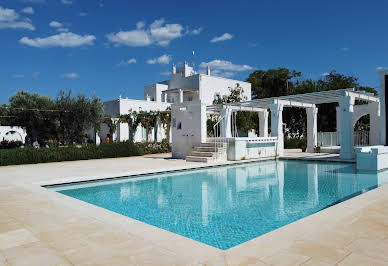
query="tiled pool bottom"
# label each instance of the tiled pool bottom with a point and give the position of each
(228, 205)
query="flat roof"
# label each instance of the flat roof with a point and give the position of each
(305, 99)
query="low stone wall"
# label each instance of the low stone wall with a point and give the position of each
(251, 148)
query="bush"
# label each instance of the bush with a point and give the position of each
(10, 144)
(31, 155)
(295, 143)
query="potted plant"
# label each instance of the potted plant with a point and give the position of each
(302, 144)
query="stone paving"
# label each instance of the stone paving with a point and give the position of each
(42, 227)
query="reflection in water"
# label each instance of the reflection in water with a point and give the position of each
(225, 206)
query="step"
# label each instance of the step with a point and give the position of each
(205, 149)
(202, 153)
(198, 159)
(212, 144)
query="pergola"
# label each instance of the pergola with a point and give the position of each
(309, 101)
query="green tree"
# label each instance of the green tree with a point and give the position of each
(78, 114)
(245, 121)
(272, 82)
(36, 113)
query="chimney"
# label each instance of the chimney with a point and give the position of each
(173, 69)
(208, 70)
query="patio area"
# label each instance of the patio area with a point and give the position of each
(39, 226)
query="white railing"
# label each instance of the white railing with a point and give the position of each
(326, 139)
(360, 138)
(218, 140)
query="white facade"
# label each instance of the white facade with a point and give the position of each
(185, 86)
(124, 106)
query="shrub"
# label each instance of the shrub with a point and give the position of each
(10, 144)
(295, 143)
(31, 155)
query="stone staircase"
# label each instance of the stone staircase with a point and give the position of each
(206, 152)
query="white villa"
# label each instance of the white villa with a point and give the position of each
(185, 86)
(190, 95)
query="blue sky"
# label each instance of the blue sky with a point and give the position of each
(115, 47)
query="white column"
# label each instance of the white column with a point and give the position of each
(181, 96)
(383, 75)
(338, 117)
(226, 124)
(312, 128)
(98, 139)
(346, 104)
(263, 124)
(277, 126)
(165, 97)
(374, 114)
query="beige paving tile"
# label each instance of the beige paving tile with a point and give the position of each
(316, 262)
(43, 225)
(317, 250)
(3, 261)
(10, 226)
(16, 238)
(285, 258)
(355, 259)
(34, 254)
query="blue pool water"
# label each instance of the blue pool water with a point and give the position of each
(226, 206)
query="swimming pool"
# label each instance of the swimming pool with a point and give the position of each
(228, 205)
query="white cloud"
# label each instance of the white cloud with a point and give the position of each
(224, 37)
(83, 14)
(55, 24)
(9, 19)
(164, 34)
(17, 76)
(65, 39)
(28, 10)
(223, 68)
(67, 2)
(345, 49)
(224, 65)
(196, 31)
(157, 33)
(140, 25)
(70, 75)
(163, 59)
(130, 38)
(127, 62)
(325, 74)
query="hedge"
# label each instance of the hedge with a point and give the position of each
(30, 155)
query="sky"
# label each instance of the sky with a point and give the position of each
(112, 48)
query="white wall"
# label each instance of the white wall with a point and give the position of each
(188, 127)
(155, 92)
(122, 106)
(178, 81)
(382, 75)
(210, 85)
